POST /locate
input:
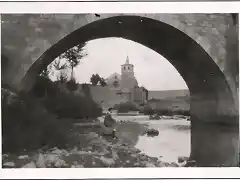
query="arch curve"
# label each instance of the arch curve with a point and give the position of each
(211, 98)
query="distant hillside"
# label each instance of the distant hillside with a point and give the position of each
(168, 94)
(171, 99)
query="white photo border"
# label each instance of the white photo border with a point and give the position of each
(118, 7)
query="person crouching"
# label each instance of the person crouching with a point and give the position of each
(109, 122)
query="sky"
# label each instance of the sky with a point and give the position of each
(105, 56)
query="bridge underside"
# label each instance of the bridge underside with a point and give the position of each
(214, 119)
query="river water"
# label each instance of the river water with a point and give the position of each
(173, 139)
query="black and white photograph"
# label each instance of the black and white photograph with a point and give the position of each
(119, 90)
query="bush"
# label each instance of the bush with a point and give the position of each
(64, 103)
(27, 125)
(72, 85)
(171, 112)
(126, 107)
(44, 87)
(69, 105)
(147, 110)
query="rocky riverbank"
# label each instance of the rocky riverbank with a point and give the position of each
(95, 151)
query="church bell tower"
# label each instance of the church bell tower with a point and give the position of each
(127, 75)
(128, 69)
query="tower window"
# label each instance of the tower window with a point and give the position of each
(115, 77)
(128, 68)
(124, 68)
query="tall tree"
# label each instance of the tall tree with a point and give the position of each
(73, 56)
(102, 82)
(95, 79)
(62, 77)
(58, 65)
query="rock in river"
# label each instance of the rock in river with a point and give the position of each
(9, 164)
(23, 157)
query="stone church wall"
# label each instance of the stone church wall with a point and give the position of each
(105, 96)
(138, 95)
(108, 97)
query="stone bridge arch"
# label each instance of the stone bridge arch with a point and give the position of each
(194, 52)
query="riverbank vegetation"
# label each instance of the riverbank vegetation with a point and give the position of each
(36, 119)
(40, 118)
(147, 109)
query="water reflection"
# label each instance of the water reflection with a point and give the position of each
(173, 139)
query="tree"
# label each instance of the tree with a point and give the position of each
(72, 85)
(102, 82)
(95, 79)
(57, 63)
(45, 73)
(73, 56)
(62, 77)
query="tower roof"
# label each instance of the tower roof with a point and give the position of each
(127, 60)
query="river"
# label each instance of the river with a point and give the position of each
(95, 150)
(173, 139)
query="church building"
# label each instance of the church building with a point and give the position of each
(126, 84)
(120, 88)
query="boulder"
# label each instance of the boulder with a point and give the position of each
(9, 164)
(60, 163)
(65, 153)
(137, 164)
(162, 164)
(51, 159)
(191, 163)
(77, 166)
(57, 151)
(173, 164)
(148, 164)
(154, 117)
(107, 161)
(29, 165)
(40, 162)
(152, 132)
(179, 117)
(4, 155)
(182, 159)
(23, 157)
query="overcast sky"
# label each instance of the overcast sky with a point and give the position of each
(105, 56)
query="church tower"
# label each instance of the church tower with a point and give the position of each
(128, 80)
(127, 69)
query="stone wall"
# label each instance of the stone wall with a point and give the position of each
(105, 96)
(108, 97)
(26, 37)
